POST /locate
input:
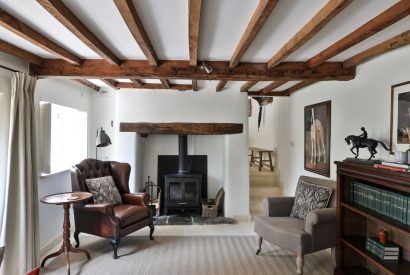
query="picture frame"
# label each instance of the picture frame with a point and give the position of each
(317, 126)
(400, 117)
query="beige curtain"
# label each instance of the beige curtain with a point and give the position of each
(21, 215)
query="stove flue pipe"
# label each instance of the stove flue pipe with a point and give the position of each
(183, 164)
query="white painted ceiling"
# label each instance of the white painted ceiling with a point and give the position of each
(222, 24)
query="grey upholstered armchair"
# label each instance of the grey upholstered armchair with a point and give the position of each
(316, 232)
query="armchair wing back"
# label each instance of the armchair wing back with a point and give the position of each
(92, 168)
(106, 220)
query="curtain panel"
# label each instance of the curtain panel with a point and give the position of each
(21, 215)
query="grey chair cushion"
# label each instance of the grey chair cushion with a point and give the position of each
(310, 197)
(104, 190)
(285, 232)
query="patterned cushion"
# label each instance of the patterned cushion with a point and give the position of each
(104, 190)
(310, 197)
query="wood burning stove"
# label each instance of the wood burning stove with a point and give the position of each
(183, 190)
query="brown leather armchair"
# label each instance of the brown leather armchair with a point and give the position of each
(106, 220)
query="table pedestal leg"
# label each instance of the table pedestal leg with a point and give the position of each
(66, 246)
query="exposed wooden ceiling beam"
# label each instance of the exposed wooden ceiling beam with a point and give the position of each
(20, 53)
(195, 85)
(260, 94)
(378, 23)
(165, 83)
(169, 69)
(153, 86)
(249, 84)
(66, 17)
(24, 31)
(298, 86)
(272, 86)
(221, 85)
(137, 82)
(384, 47)
(194, 7)
(261, 14)
(111, 83)
(88, 84)
(327, 13)
(133, 21)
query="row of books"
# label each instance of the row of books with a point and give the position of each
(391, 204)
(393, 166)
(387, 251)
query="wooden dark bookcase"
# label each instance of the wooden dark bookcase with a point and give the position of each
(355, 223)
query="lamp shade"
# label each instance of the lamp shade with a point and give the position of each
(103, 139)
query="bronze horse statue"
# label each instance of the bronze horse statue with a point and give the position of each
(368, 143)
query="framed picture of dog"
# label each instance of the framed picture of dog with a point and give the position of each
(317, 138)
(400, 117)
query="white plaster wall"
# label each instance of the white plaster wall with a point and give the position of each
(102, 113)
(70, 94)
(202, 106)
(264, 138)
(364, 101)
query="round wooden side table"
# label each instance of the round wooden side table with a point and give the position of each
(66, 199)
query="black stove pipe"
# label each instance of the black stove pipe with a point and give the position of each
(183, 164)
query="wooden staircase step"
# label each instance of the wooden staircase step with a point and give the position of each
(259, 193)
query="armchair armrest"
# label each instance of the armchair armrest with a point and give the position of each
(278, 206)
(103, 208)
(140, 199)
(318, 217)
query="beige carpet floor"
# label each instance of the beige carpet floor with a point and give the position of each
(191, 255)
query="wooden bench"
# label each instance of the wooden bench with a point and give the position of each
(261, 160)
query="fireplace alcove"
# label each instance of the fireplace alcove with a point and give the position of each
(182, 178)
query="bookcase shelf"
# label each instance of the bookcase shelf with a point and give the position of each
(386, 221)
(357, 243)
(355, 222)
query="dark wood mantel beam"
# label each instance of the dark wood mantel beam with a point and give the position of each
(137, 69)
(181, 128)
(260, 94)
